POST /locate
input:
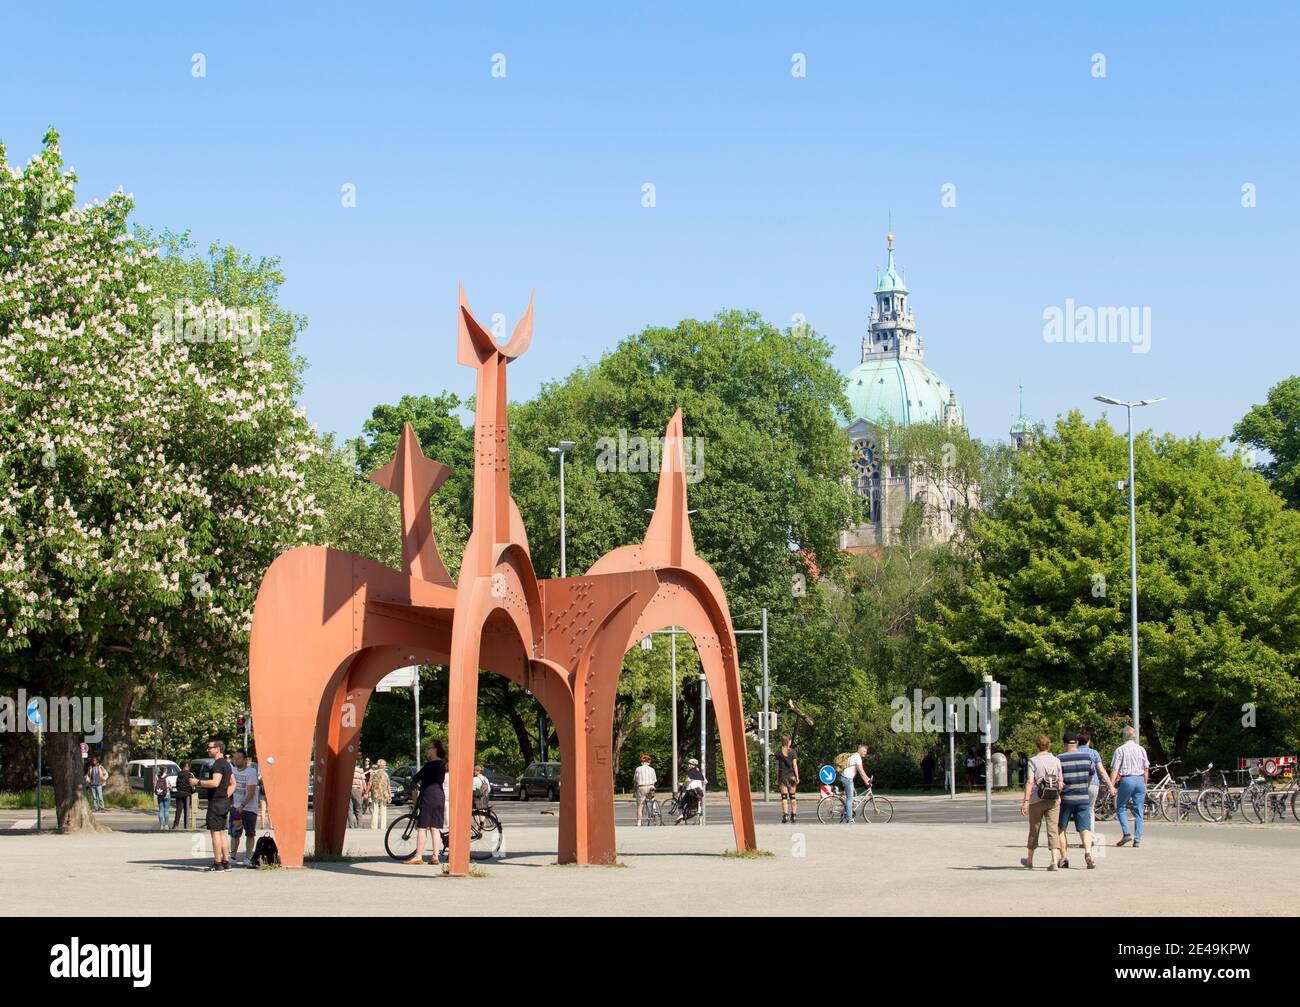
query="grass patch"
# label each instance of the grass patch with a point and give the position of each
(12, 800)
(747, 854)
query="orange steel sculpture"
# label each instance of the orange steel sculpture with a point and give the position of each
(328, 625)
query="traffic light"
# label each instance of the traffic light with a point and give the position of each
(240, 723)
(997, 696)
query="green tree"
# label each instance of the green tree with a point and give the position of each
(1046, 605)
(151, 460)
(1275, 427)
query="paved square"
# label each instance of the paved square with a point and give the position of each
(897, 869)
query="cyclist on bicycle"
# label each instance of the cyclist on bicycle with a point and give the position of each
(853, 769)
(693, 794)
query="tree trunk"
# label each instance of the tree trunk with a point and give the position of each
(506, 702)
(1155, 750)
(63, 750)
(117, 740)
(17, 760)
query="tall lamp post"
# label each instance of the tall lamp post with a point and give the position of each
(1132, 539)
(563, 449)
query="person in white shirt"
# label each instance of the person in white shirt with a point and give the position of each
(644, 779)
(853, 770)
(1130, 770)
(243, 806)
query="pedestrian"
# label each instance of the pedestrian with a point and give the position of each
(430, 809)
(221, 783)
(480, 789)
(244, 806)
(1099, 774)
(366, 772)
(947, 771)
(162, 791)
(644, 779)
(358, 793)
(1076, 773)
(95, 777)
(927, 771)
(264, 809)
(381, 795)
(1022, 766)
(1132, 769)
(853, 769)
(787, 777)
(184, 791)
(969, 766)
(1042, 801)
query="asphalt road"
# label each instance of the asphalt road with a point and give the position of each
(912, 808)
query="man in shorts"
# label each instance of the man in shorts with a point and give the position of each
(219, 783)
(1076, 774)
(243, 810)
(644, 779)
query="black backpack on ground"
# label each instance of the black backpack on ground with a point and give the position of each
(265, 852)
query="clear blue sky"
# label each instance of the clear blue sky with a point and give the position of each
(772, 192)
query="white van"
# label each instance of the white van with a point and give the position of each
(140, 773)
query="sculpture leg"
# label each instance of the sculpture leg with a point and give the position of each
(723, 676)
(462, 722)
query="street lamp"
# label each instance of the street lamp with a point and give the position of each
(564, 448)
(1132, 539)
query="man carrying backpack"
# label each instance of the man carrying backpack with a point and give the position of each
(1042, 801)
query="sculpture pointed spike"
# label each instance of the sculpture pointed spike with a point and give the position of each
(415, 478)
(522, 335)
(475, 345)
(668, 538)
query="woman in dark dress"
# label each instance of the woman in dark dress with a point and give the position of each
(431, 802)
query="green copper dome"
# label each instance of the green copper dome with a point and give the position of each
(890, 280)
(900, 390)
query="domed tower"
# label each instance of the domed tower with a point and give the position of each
(893, 387)
(1022, 431)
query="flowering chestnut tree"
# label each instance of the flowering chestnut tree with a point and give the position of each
(152, 460)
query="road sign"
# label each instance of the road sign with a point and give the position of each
(34, 713)
(826, 774)
(826, 790)
(85, 749)
(143, 722)
(402, 678)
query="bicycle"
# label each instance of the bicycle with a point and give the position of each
(1180, 803)
(650, 811)
(678, 810)
(486, 835)
(868, 806)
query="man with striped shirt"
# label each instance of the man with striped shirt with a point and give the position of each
(1130, 768)
(1076, 805)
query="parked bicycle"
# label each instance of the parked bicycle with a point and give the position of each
(867, 806)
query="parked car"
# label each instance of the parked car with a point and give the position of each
(503, 784)
(540, 779)
(141, 773)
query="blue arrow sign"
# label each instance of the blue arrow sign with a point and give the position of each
(34, 713)
(826, 774)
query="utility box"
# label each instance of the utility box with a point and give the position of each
(999, 769)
